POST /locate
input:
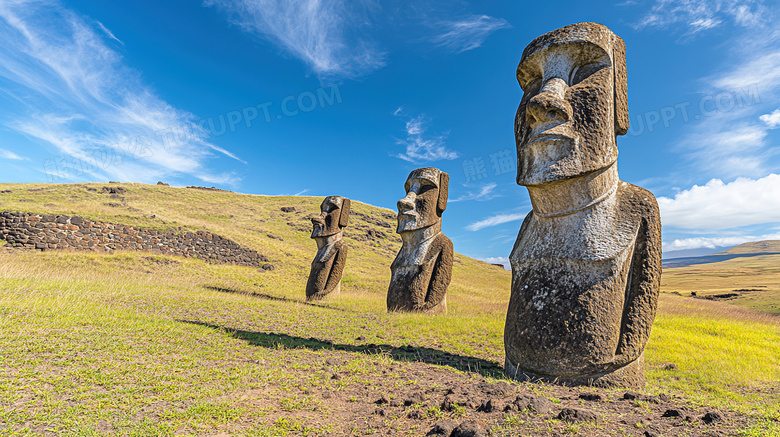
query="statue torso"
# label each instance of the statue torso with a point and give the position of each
(412, 271)
(321, 267)
(569, 279)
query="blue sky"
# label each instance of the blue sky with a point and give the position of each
(302, 97)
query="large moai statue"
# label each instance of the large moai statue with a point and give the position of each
(328, 265)
(422, 270)
(586, 265)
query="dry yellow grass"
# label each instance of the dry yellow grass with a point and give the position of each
(756, 280)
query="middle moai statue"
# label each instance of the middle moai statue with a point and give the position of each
(328, 265)
(422, 270)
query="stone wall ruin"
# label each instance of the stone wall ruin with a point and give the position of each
(52, 232)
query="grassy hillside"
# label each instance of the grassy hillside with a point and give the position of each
(767, 246)
(135, 344)
(257, 222)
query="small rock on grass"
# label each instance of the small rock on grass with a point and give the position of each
(672, 413)
(448, 404)
(490, 406)
(712, 417)
(469, 428)
(591, 397)
(414, 398)
(578, 415)
(443, 428)
(496, 390)
(530, 402)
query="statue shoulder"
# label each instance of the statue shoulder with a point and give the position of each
(638, 201)
(443, 242)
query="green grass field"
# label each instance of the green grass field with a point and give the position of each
(137, 344)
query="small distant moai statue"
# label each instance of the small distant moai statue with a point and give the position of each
(586, 266)
(422, 270)
(328, 265)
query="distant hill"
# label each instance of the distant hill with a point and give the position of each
(690, 253)
(755, 248)
(767, 246)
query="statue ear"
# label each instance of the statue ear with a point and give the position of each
(344, 216)
(621, 85)
(444, 187)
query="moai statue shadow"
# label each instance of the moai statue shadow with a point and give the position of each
(328, 265)
(422, 270)
(586, 265)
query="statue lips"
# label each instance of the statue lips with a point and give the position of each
(559, 133)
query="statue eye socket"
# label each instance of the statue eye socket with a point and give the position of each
(426, 185)
(582, 72)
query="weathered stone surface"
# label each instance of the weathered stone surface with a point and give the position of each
(76, 233)
(586, 265)
(578, 415)
(469, 428)
(530, 402)
(712, 417)
(328, 265)
(443, 428)
(422, 270)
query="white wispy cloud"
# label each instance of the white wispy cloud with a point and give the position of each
(772, 119)
(732, 140)
(714, 242)
(109, 33)
(468, 33)
(485, 193)
(761, 67)
(495, 221)
(700, 15)
(327, 35)
(504, 261)
(718, 205)
(7, 154)
(420, 147)
(727, 147)
(81, 100)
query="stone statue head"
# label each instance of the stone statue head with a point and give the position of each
(333, 217)
(425, 201)
(574, 103)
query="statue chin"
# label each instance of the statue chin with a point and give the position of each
(542, 175)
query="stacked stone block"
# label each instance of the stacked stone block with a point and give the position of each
(52, 232)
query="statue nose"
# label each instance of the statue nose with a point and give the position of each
(407, 203)
(549, 106)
